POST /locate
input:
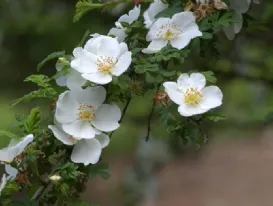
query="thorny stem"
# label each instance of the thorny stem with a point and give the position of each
(45, 185)
(123, 113)
(150, 117)
(201, 131)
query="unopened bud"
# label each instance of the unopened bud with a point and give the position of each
(55, 178)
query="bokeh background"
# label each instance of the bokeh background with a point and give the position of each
(234, 169)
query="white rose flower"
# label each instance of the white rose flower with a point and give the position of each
(101, 58)
(178, 31)
(130, 17)
(150, 14)
(240, 7)
(3, 183)
(14, 149)
(119, 31)
(86, 151)
(190, 93)
(82, 113)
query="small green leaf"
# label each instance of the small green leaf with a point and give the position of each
(169, 12)
(206, 35)
(8, 134)
(215, 117)
(40, 80)
(84, 6)
(140, 69)
(51, 56)
(149, 78)
(33, 121)
(210, 76)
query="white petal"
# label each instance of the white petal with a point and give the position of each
(123, 48)
(60, 135)
(3, 183)
(84, 61)
(189, 33)
(92, 44)
(188, 110)
(103, 139)
(7, 154)
(75, 80)
(80, 129)
(192, 30)
(11, 171)
(66, 108)
(107, 117)
(173, 92)
(86, 151)
(212, 97)
(180, 42)
(155, 46)
(153, 32)
(61, 81)
(98, 78)
(195, 80)
(131, 16)
(119, 33)
(108, 46)
(122, 64)
(154, 8)
(94, 96)
(183, 19)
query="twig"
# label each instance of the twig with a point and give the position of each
(123, 113)
(201, 131)
(150, 117)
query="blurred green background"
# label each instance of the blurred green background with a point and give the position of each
(30, 30)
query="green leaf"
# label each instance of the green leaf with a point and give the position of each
(49, 93)
(84, 6)
(104, 175)
(99, 170)
(215, 117)
(40, 80)
(149, 78)
(168, 73)
(210, 76)
(206, 35)
(8, 134)
(140, 69)
(51, 56)
(33, 120)
(158, 78)
(169, 12)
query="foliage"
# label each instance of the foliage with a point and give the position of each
(46, 170)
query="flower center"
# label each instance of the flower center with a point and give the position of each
(192, 96)
(86, 112)
(168, 32)
(106, 64)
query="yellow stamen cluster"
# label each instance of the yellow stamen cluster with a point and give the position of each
(86, 112)
(106, 64)
(192, 96)
(168, 32)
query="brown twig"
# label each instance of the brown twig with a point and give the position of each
(123, 113)
(150, 117)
